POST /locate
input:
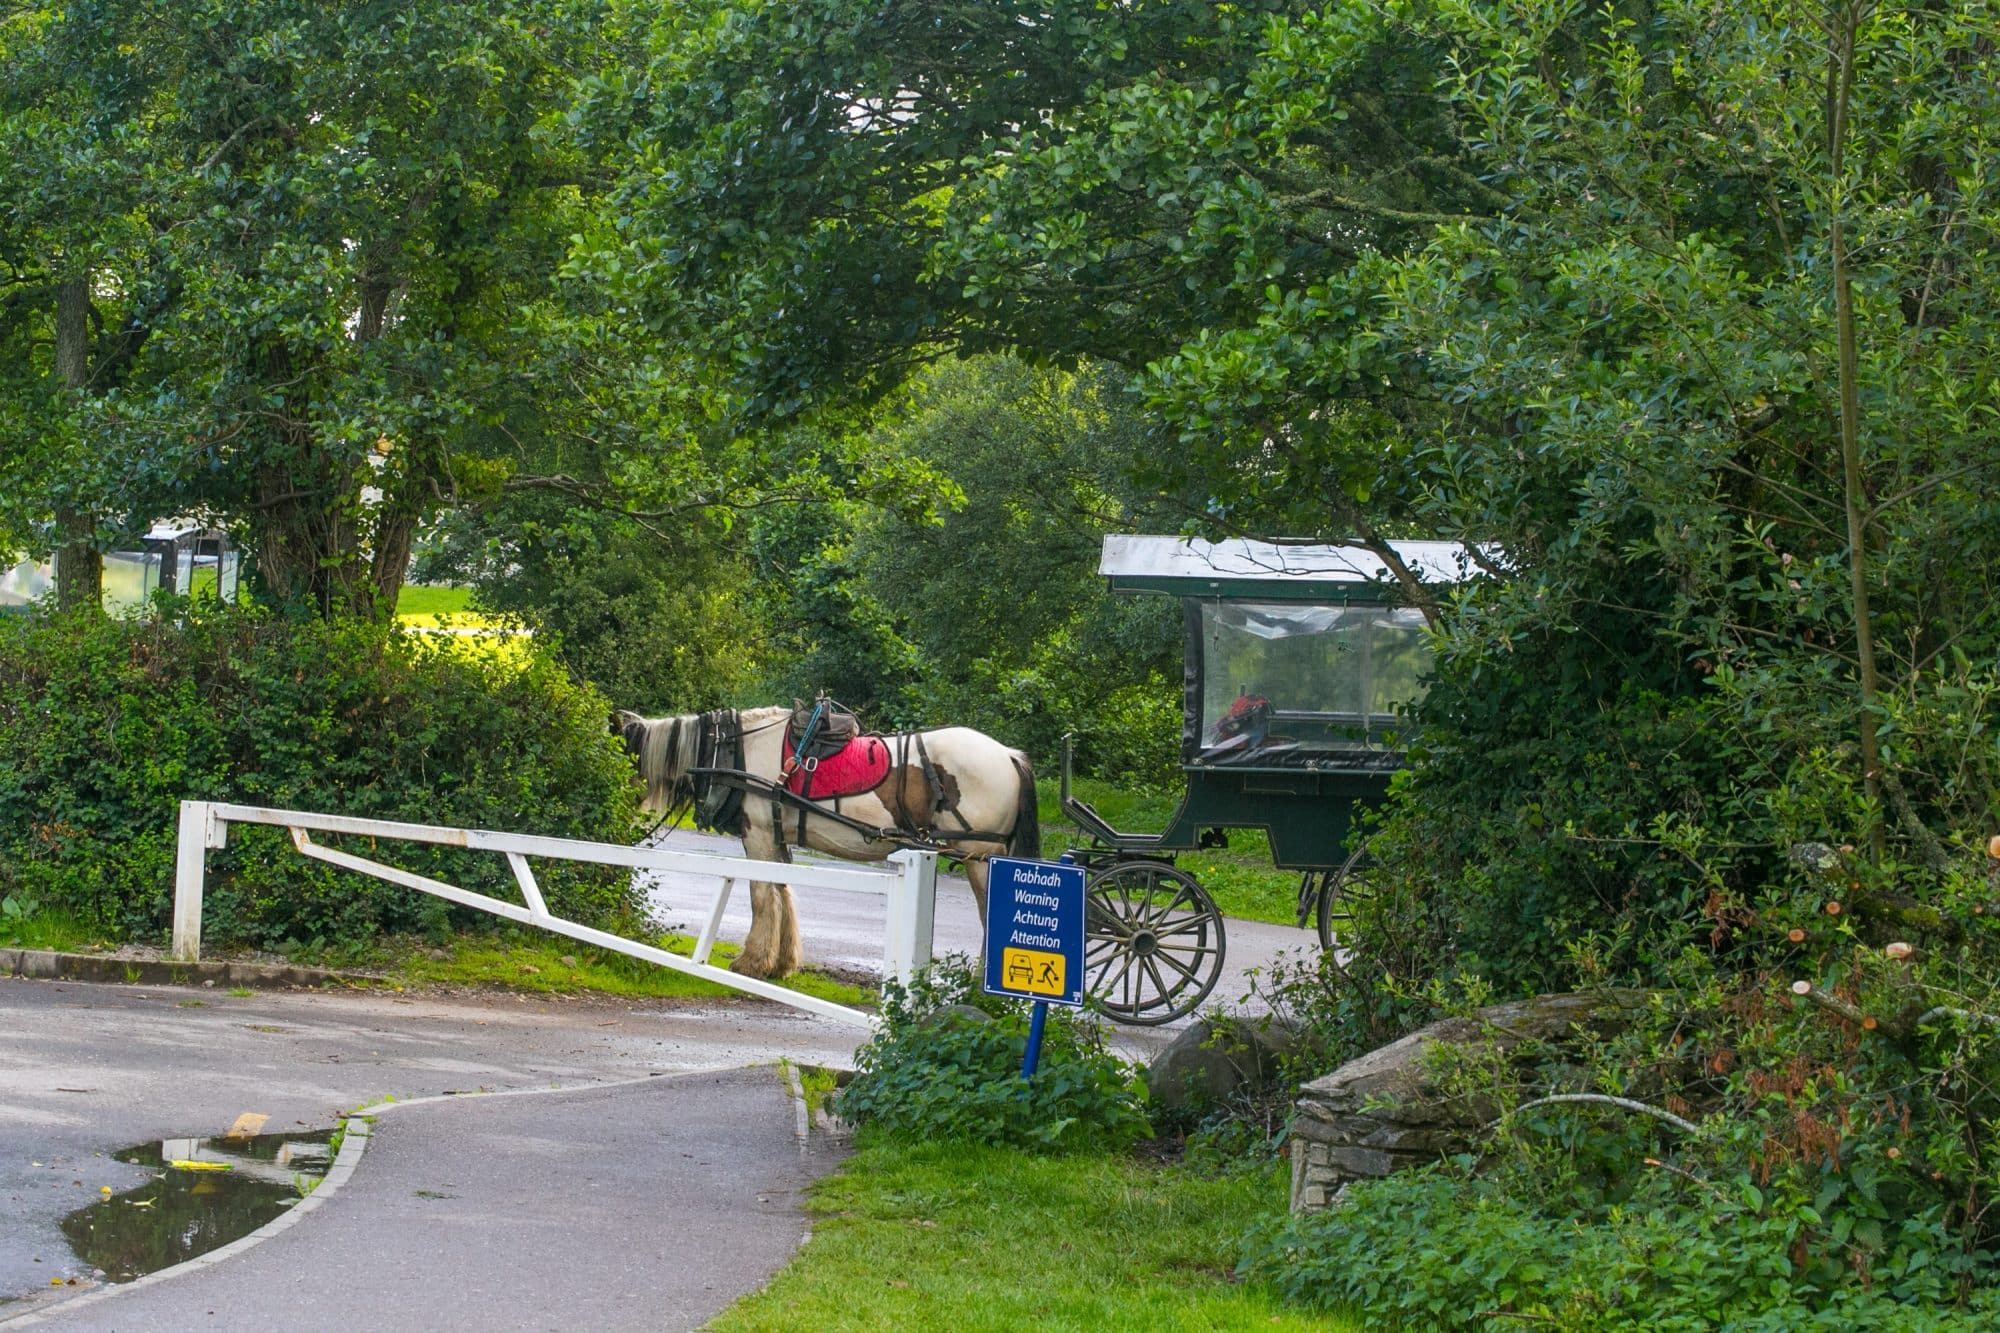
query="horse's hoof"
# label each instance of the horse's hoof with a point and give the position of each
(742, 967)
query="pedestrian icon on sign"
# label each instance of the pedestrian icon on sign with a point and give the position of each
(1050, 976)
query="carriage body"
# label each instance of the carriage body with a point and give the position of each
(1300, 661)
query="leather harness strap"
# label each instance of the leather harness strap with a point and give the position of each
(720, 766)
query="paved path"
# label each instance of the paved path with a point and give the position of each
(87, 1069)
(635, 1206)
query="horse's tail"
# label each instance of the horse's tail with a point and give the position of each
(1026, 838)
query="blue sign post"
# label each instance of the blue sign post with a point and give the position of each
(1034, 938)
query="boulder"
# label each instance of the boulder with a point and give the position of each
(968, 1013)
(1383, 1112)
(1215, 1059)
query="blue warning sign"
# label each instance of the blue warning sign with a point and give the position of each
(1034, 930)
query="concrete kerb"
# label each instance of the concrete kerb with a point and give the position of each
(354, 1142)
(801, 1121)
(52, 965)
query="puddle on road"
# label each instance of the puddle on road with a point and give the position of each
(222, 1189)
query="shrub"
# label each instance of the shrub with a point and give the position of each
(947, 1065)
(1707, 852)
(656, 630)
(1831, 1170)
(105, 725)
(1439, 1248)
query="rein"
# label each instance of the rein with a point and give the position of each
(667, 816)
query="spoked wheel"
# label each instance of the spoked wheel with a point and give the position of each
(1338, 892)
(1153, 942)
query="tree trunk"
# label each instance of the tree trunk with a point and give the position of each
(307, 547)
(395, 536)
(79, 564)
(395, 517)
(1844, 29)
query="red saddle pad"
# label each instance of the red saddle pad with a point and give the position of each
(860, 767)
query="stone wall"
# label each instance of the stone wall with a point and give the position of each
(1380, 1113)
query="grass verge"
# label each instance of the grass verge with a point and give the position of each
(1240, 877)
(951, 1235)
(49, 929)
(563, 967)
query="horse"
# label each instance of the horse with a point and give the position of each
(952, 785)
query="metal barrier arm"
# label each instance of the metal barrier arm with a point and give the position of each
(910, 891)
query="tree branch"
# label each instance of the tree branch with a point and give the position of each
(1605, 1099)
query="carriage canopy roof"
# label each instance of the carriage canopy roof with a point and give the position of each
(1284, 571)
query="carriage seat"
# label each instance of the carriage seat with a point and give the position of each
(859, 766)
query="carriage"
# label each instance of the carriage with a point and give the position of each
(1299, 660)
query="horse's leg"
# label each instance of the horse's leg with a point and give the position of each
(761, 947)
(784, 922)
(975, 875)
(772, 948)
(787, 932)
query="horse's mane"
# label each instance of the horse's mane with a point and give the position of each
(668, 747)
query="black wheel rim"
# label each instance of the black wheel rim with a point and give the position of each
(1337, 891)
(1153, 947)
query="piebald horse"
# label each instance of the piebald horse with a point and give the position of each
(943, 785)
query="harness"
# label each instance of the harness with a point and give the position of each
(802, 755)
(721, 786)
(941, 801)
(718, 806)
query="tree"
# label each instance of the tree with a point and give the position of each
(826, 195)
(69, 129)
(348, 225)
(1721, 372)
(1007, 624)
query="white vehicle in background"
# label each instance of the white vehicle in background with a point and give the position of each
(177, 555)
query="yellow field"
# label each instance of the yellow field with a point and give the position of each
(438, 618)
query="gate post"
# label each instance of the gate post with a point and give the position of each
(199, 830)
(912, 915)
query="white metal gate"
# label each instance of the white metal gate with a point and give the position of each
(910, 888)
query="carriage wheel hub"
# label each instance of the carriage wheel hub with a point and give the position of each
(1145, 943)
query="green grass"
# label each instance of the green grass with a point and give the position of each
(484, 960)
(489, 960)
(49, 928)
(818, 1084)
(421, 608)
(949, 1236)
(1240, 877)
(420, 600)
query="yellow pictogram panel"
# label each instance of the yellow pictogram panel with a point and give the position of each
(1032, 970)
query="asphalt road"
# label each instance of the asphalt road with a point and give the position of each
(88, 1069)
(606, 1213)
(844, 931)
(643, 1207)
